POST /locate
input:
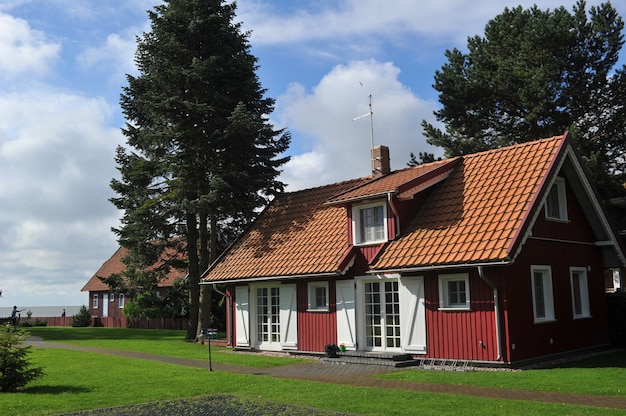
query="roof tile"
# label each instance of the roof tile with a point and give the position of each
(487, 192)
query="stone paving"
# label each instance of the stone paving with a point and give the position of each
(361, 375)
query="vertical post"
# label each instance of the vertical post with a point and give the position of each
(209, 333)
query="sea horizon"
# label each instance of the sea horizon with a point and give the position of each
(41, 311)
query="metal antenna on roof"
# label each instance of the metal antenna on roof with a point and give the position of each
(371, 116)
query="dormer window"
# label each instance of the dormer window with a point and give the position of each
(369, 223)
(556, 205)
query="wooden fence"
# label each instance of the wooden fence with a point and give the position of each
(153, 323)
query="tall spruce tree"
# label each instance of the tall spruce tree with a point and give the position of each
(204, 157)
(535, 74)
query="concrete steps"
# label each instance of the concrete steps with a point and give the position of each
(396, 360)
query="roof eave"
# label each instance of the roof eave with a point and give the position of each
(430, 267)
(268, 278)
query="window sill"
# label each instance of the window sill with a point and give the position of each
(371, 243)
(318, 310)
(455, 309)
(561, 220)
(545, 321)
(581, 317)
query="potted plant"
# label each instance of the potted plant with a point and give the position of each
(331, 350)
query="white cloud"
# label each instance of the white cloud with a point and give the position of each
(56, 162)
(24, 50)
(341, 21)
(339, 146)
(115, 56)
(450, 19)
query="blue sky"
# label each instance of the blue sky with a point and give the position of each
(63, 64)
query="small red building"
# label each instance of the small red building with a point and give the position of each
(495, 257)
(103, 302)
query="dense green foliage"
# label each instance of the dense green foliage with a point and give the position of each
(203, 156)
(82, 318)
(16, 370)
(536, 74)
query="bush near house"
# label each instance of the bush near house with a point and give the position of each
(617, 317)
(82, 318)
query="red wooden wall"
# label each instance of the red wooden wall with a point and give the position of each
(316, 329)
(467, 335)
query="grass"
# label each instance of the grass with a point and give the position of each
(599, 375)
(160, 342)
(80, 380)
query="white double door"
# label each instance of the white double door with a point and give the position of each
(389, 314)
(267, 316)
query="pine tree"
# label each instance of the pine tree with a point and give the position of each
(536, 74)
(15, 368)
(204, 156)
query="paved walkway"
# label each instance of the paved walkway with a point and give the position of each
(359, 375)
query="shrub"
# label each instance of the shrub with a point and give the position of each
(15, 368)
(331, 350)
(617, 317)
(82, 318)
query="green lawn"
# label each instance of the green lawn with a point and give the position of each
(160, 342)
(79, 380)
(602, 375)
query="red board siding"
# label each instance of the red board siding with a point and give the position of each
(466, 335)
(316, 329)
(529, 340)
(576, 228)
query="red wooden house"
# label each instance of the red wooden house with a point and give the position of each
(103, 302)
(495, 257)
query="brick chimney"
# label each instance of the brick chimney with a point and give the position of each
(381, 165)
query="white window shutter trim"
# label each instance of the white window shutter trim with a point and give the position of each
(412, 314)
(346, 313)
(242, 313)
(288, 317)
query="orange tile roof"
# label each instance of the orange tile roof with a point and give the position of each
(403, 180)
(296, 235)
(477, 213)
(115, 265)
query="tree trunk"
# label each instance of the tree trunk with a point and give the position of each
(204, 313)
(193, 276)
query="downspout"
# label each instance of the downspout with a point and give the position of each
(496, 309)
(395, 214)
(228, 314)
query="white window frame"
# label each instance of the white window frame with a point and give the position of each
(312, 304)
(559, 187)
(94, 301)
(120, 300)
(358, 238)
(546, 295)
(444, 292)
(580, 290)
(111, 297)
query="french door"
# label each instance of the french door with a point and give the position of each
(268, 316)
(382, 315)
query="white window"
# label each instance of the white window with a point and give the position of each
(556, 203)
(94, 301)
(112, 297)
(318, 296)
(543, 300)
(454, 291)
(120, 300)
(580, 292)
(369, 223)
